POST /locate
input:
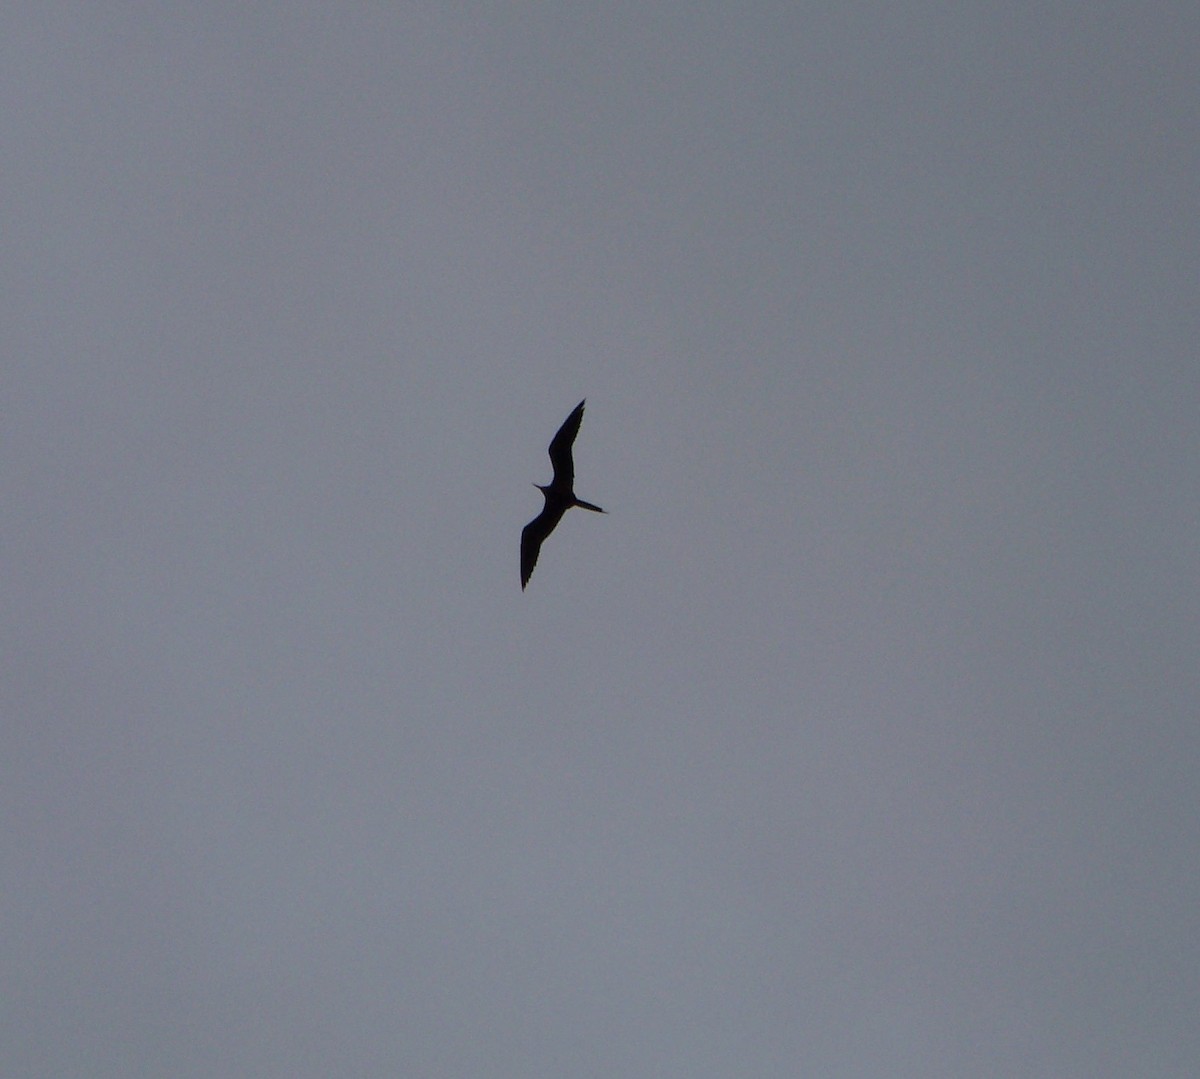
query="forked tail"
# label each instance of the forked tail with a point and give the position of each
(587, 506)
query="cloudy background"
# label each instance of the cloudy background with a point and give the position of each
(858, 739)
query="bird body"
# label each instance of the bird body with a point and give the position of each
(559, 494)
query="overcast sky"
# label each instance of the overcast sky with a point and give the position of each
(858, 739)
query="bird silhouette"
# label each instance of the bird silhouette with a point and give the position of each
(559, 494)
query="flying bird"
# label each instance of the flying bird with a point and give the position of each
(559, 494)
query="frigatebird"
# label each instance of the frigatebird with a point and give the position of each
(559, 494)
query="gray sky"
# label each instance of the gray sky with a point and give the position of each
(859, 739)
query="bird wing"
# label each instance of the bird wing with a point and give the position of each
(532, 536)
(560, 449)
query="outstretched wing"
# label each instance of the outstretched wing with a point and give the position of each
(560, 449)
(531, 542)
